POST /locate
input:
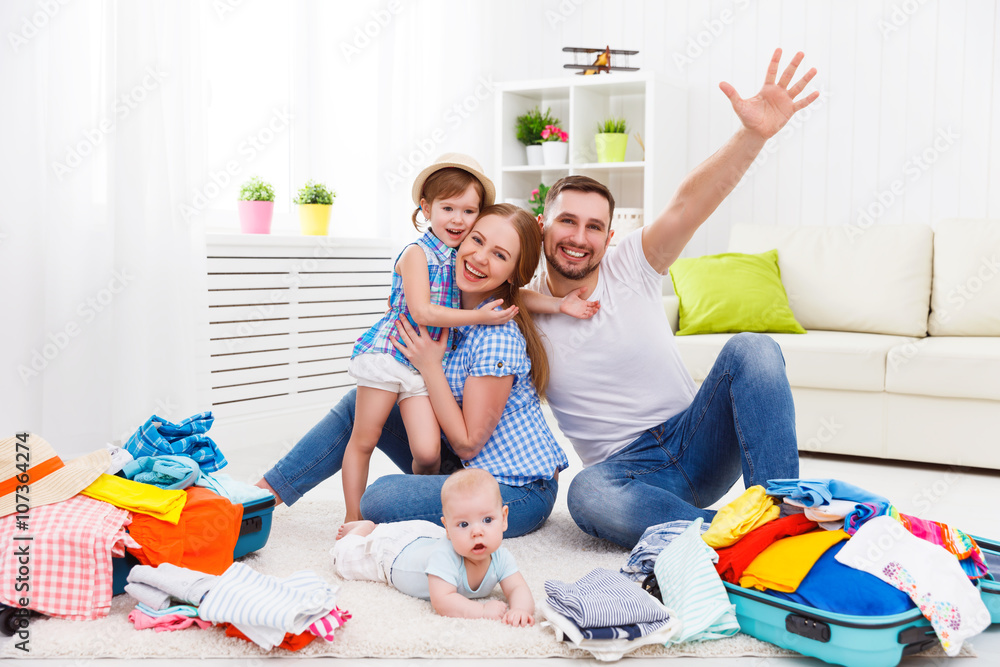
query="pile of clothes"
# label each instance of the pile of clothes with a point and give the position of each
(816, 542)
(606, 614)
(161, 499)
(266, 610)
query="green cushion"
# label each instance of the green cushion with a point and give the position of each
(732, 292)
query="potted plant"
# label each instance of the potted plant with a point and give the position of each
(611, 140)
(554, 146)
(315, 201)
(537, 201)
(256, 206)
(529, 132)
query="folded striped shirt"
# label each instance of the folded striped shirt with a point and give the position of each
(604, 598)
(263, 607)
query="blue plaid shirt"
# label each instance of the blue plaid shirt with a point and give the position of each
(441, 269)
(522, 449)
(158, 437)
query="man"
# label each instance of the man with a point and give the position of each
(653, 448)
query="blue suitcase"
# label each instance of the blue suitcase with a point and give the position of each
(254, 531)
(854, 641)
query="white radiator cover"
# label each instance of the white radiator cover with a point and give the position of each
(283, 315)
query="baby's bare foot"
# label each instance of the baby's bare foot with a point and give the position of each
(361, 528)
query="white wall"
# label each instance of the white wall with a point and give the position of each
(895, 77)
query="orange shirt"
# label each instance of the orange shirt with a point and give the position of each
(202, 540)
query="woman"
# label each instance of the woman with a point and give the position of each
(486, 397)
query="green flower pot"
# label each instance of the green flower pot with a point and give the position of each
(611, 146)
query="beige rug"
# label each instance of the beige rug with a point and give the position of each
(386, 623)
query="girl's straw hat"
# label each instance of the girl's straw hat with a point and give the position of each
(462, 162)
(49, 479)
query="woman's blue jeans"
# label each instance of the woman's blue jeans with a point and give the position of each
(320, 454)
(741, 421)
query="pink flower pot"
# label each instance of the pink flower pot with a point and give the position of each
(255, 216)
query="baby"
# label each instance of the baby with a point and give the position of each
(452, 566)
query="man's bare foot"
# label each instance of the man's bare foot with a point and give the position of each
(361, 528)
(267, 487)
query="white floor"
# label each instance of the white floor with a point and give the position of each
(968, 498)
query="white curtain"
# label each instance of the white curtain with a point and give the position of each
(436, 86)
(102, 278)
(106, 131)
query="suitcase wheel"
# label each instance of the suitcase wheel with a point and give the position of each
(12, 619)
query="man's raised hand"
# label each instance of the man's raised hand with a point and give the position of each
(767, 112)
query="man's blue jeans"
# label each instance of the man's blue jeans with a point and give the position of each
(320, 454)
(741, 421)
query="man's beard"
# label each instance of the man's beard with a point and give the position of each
(576, 273)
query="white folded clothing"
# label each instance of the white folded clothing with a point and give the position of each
(188, 586)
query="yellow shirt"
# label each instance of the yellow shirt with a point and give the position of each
(783, 565)
(752, 509)
(138, 497)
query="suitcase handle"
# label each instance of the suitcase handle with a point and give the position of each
(250, 526)
(807, 627)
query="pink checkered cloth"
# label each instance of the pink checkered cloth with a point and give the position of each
(69, 559)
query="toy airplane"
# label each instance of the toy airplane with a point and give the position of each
(603, 61)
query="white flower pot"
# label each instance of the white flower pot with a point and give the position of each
(535, 157)
(555, 153)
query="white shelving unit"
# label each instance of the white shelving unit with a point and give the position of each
(654, 107)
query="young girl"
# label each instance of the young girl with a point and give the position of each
(449, 193)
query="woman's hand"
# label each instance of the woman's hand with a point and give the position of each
(418, 347)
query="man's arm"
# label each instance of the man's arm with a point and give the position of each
(701, 191)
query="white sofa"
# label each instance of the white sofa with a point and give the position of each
(902, 355)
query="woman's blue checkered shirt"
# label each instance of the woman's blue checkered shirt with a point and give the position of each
(522, 449)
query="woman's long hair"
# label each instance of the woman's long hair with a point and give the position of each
(530, 236)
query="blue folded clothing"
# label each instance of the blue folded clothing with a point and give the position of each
(238, 493)
(654, 539)
(838, 588)
(182, 609)
(815, 492)
(167, 472)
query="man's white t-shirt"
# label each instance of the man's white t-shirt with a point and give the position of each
(620, 373)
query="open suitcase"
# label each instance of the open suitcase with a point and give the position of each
(855, 641)
(254, 531)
